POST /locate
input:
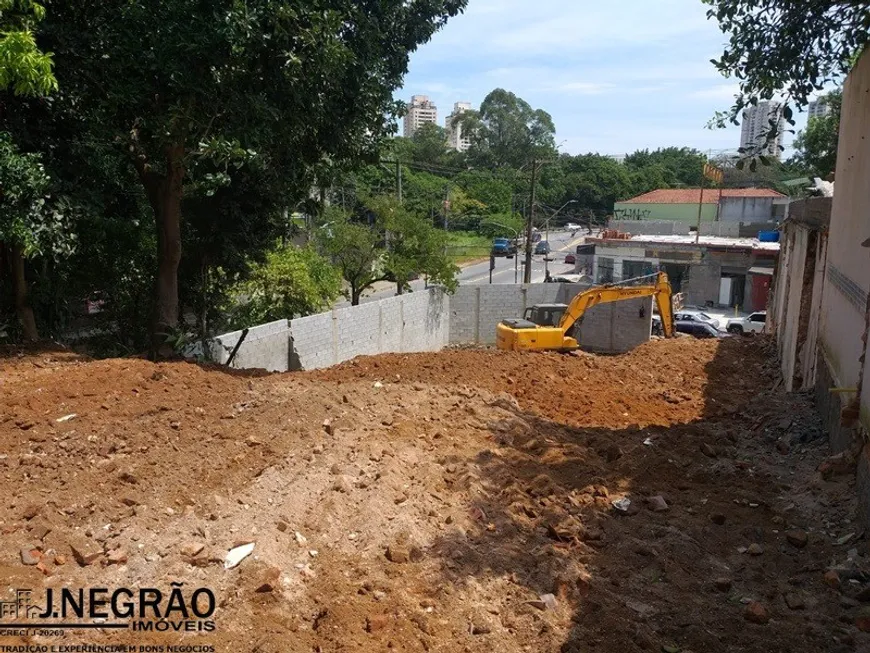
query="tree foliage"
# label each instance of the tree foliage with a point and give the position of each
(507, 131)
(412, 246)
(179, 83)
(793, 49)
(291, 282)
(816, 146)
(355, 249)
(29, 225)
(24, 68)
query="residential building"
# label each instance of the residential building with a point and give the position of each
(745, 205)
(818, 109)
(756, 125)
(712, 271)
(420, 111)
(455, 138)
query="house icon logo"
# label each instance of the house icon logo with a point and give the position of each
(20, 608)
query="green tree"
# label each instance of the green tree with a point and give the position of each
(291, 282)
(789, 48)
(28, 226)
(27, 71)
(24, 68)
(430, 144)
(594, 181)
(179, 81)
(816, 146)
(682, 166)
(413, 246)
(507, 131)
(355, 249)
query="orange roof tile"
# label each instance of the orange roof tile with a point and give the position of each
(693, 195)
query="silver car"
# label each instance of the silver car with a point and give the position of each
(697, 316)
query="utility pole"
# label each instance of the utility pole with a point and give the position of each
(446, 205)
(527, 273)
(399, 180)
(700, 208)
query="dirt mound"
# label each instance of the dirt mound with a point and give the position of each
(660, 383)
(437, 502)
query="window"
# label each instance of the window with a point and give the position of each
(605, 270)
(758, 317)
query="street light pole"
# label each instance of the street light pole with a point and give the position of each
(547, 230)
(527, 273)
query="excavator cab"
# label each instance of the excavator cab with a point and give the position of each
(546, 314)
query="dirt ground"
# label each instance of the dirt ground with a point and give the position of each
(460, 501)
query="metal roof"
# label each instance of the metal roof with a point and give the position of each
(707, 241)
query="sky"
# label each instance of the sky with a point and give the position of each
(616, 76)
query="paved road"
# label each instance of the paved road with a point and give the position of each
(506, 269)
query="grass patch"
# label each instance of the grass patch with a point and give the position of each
(466, 246)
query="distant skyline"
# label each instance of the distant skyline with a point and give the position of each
(616, 77)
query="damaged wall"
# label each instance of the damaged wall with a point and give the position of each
(797, 299)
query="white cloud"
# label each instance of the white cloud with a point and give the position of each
(724, 92)
(615, 76)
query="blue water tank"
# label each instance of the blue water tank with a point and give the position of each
(768, 236)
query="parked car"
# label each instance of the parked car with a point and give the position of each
(573, 226)
(570, 259)
(753, 323)
(696, 316)
(542, 247)
(503, 247)
(570, 278)
(699, 329)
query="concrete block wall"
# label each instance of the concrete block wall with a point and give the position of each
(418, 321)
(616, 328)
(728, 229)
(703, 284)
(266, 347)
(313, 341)
(476, 310)
(426, 321)
(651, 227)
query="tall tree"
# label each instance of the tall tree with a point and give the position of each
(430, 144)
(790, 48)
(178, 81)
(28, 226)
(816, 146)
(412, 246)
(507, 131)
(26, 71)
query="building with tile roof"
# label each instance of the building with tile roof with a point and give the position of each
(727, 205)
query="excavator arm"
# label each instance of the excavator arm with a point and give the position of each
(583, 301)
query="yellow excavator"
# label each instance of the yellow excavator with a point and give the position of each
(538, 330)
